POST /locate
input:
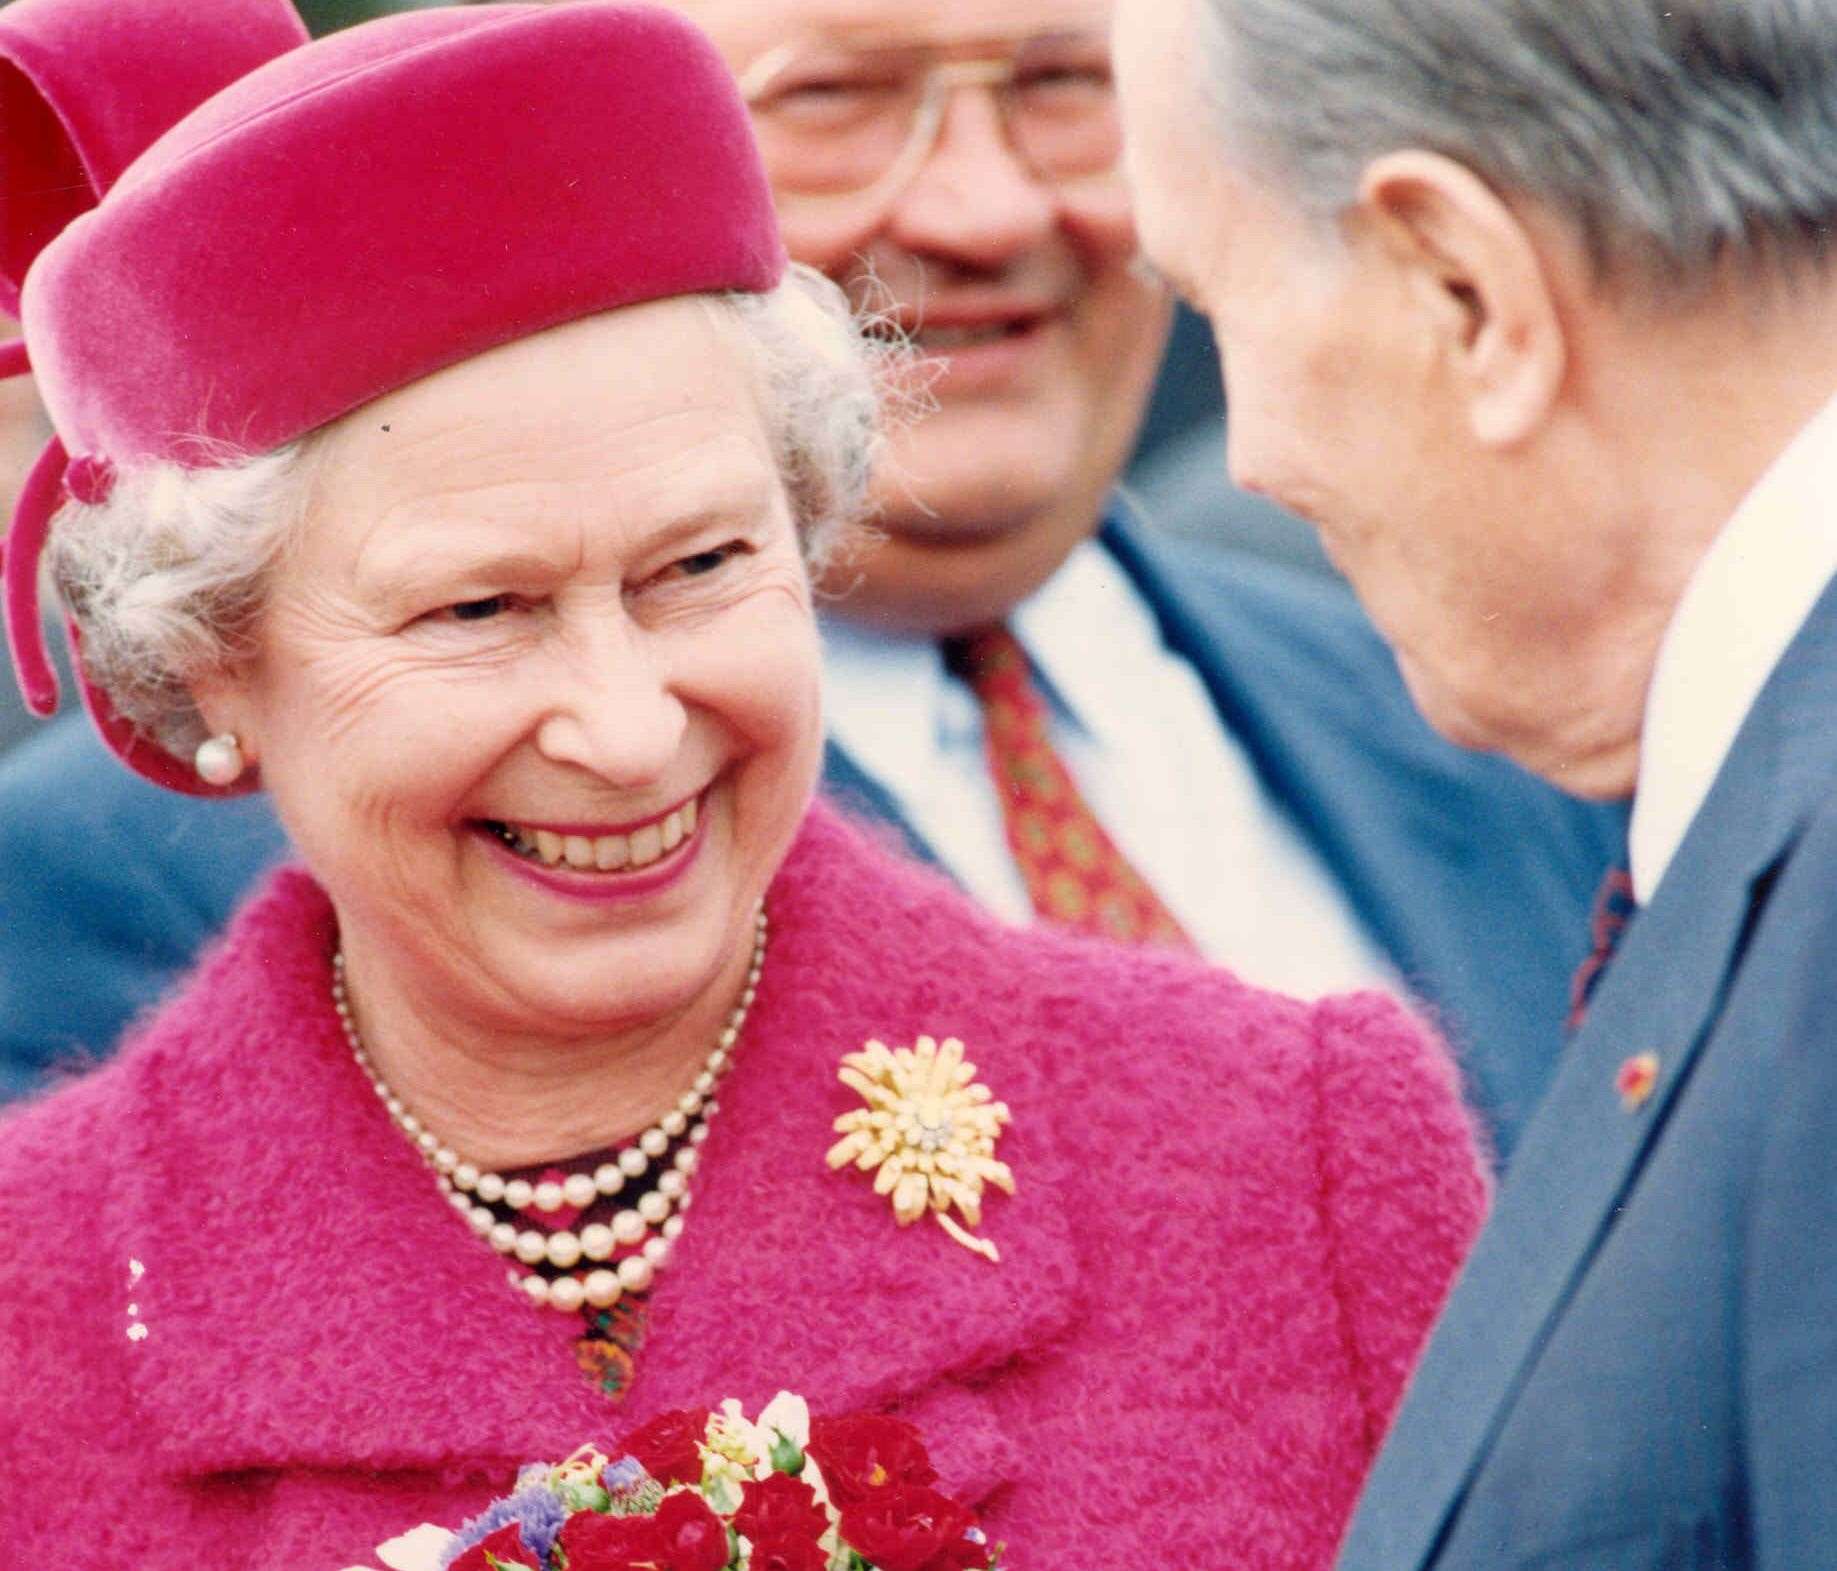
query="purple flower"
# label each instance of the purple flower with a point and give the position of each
(630, 1490)
(626, 1473)
(533, 1506)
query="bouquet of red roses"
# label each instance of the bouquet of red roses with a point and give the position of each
(699, 1491)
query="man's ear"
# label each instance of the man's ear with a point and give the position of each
(1476, 269)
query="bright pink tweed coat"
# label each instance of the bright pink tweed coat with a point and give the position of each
(1236, 1217)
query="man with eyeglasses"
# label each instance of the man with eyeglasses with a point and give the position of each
(1081, 722)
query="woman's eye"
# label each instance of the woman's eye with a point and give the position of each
(704, 562)
(480, 610)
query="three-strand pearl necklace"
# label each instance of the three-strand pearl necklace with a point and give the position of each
(620, 1257)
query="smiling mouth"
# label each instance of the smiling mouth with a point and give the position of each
(611, 853)
(954, 338)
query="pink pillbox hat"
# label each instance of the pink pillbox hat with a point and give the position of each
(220, 236)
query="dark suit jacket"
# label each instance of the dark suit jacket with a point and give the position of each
(1638, 1370)
(1473, 878)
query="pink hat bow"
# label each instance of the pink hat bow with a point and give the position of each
(67, 132)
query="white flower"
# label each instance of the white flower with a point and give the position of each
(789, 1415)
(737, 1441)
(419, 1549)
(736, 1444)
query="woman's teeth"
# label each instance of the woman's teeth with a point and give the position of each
(604, 853)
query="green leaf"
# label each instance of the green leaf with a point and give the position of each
(584, 1497)
(786, 1457)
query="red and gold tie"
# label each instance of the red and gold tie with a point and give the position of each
(1074, 873)
(1614, 908)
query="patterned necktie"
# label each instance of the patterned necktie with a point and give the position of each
(1074, 873)
(1614, 908)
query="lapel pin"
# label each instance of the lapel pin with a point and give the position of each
(1637, 1080)
(927, 1134)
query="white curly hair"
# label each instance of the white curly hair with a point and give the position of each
(166, 577)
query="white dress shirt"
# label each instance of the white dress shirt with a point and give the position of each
(1744, 604)
(1138, 732)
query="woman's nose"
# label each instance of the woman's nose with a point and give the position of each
(614, 711)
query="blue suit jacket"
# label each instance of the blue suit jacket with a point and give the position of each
(1474, 878)
(1638, 1369)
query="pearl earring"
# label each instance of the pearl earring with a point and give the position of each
(219, 760)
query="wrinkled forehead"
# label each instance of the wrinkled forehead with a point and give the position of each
(745, 29)
(552, 438)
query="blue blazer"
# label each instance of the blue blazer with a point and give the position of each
(1473, 878)
(1638, 1369)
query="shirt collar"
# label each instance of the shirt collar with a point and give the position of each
(885, 693)
(1055, 627)
(1743, 606)
(882, 696)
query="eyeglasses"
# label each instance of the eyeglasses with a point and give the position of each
(856, 124)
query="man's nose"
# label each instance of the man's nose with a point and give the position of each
(614, 711)
(973, 198)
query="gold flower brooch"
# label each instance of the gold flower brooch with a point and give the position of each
(927, 1134)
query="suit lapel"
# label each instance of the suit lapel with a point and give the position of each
(1584, 1148)
(851, 787)
(1427, 842)
(1329, 749)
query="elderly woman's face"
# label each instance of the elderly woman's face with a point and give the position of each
(537, 697)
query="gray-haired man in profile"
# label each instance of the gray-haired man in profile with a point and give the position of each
(1530, 306)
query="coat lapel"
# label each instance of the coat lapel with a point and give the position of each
(309, 1297)
(311, 1300)
(1584, 1148)
(792, 1276)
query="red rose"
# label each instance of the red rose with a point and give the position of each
(668, 1446)
(690, 1537)
(593, 1542)
(912, 1529)
(779, 1507)
(865, 1453)
(787, 1554)
(505, 1546)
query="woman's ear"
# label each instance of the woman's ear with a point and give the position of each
(1477, 271)
(223, 702)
